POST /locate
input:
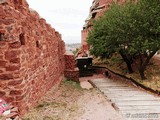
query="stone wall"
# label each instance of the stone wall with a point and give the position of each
(71, 71)
(84, 34)
(31, 55)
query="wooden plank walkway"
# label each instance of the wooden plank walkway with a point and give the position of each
(131, 102)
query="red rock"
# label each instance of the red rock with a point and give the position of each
(2, 44)
(69, 62)
(18, 98)
(2, 93)
(15, 82)
(1, 71)
(72, 74)
(15, 60)
(1, 57)
(16, 92)
(6, 76)
(15, 45)
(12, 68)
(3, 63)
(102, 5)
(9, 99)
(8, 21)
(12, 54)
(1, 10)
(2, 31)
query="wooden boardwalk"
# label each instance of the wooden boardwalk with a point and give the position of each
(131, 102)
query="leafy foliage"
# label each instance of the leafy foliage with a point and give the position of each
(131, 29)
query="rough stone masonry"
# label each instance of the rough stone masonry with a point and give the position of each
(31, 55)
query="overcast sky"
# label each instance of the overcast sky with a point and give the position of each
(66, 16)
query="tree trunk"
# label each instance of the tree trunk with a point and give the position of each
(144, 63)
(127, 61)
(129, 66)
(141, 72)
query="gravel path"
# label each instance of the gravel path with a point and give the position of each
(70, 102)
(96, 107)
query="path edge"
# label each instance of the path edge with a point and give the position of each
(127, 78)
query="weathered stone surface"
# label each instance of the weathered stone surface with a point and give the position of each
(15, 82)
(6, 76)
(15, 45)
(12, 68)
(69, 62)
(3, 63)
(15, 60)
(16, 92)
(2, 93)
(72, 74)
(31, 55)
(96, 10)
(71, 71)
(9, 99)
(12, 54)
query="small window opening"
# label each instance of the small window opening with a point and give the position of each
(22, 39)
(1, 36)
(37, 44)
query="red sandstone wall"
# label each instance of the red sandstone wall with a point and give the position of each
(71, 71)
(104, 2)
(31, 54)
(84, 35)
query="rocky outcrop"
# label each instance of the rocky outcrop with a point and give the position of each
(96, 10)
(31, 55)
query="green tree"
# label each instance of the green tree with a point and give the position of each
(131, 29)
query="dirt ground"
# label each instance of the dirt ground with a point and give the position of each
(71, 102)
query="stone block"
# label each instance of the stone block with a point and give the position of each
(15, 44)
(72, 74)
(2, 93)
(16, 92)
(12, 54)
(6, 76)
(69, 62)
(12, 68)
(15, 82)
(9, 99)
(15, 60)
(3, 63)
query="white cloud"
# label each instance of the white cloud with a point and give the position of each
(66, 16)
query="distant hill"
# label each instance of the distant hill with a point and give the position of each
(73, 47)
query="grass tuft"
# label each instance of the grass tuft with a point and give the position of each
(74, 84)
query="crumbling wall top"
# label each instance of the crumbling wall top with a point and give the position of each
(17, 4)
